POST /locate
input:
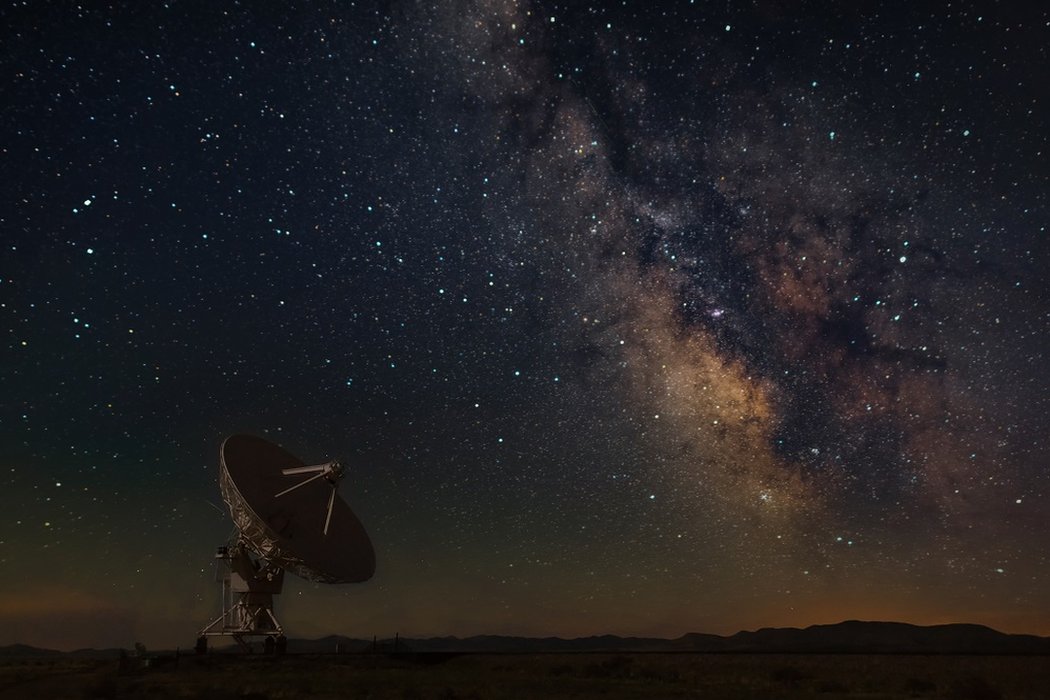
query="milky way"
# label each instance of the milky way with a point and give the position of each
(637, 320)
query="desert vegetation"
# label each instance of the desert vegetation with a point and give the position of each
(514, 676)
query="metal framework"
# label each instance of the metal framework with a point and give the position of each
(248, 587)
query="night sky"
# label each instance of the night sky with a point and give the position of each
(633, 318)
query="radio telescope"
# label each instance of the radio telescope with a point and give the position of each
(288, 517)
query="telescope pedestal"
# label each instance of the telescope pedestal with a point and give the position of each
(248, 587)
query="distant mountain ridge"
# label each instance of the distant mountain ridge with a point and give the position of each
(888, 637)
(851, 636)
(25, 651)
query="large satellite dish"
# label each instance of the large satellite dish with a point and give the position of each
(289, 517)
(291, 514)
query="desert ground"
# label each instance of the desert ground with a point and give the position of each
(582, 675)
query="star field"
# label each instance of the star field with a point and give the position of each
(630, 319)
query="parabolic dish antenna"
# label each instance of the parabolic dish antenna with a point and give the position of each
(281, 507)
(289, 517)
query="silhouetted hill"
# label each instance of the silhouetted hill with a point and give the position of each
(329, 645)
(105, 653)
(696, 641)
(853, 636)
(493, 643)
(26, 651)
(888, 637)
